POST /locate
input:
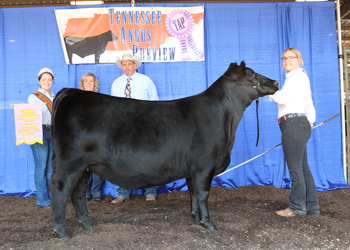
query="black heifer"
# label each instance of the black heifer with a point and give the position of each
(141, 144)
(88, 45)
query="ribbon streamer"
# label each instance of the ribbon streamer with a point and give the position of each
(180, 24)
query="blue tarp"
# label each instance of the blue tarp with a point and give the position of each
(257, 33)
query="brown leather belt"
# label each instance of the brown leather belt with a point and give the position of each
(288, 116)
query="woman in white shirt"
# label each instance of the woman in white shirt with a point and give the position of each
(297, 115)
(42, 153)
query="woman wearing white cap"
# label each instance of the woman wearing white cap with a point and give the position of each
(42, 153)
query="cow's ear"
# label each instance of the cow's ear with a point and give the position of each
(235, 71)
(241, 69)
(233, 66)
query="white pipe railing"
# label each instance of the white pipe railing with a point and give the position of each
(341, 61)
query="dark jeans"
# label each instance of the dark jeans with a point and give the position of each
(94, 186)
(303, 197)
(126, 192)
(42, 154)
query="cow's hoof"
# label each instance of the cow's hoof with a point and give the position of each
(87, 225)
(209, 226)
(195, 216)
(62, 235)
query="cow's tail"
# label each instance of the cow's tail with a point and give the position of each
(58, 98)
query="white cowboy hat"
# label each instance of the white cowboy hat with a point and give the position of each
(127, 56)
(45, 70)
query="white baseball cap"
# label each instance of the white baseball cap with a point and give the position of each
(45, 70)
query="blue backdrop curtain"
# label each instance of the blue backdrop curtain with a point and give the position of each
(257, 33)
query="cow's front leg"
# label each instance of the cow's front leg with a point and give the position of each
(201, 191)
(79, 203)
(59, 201)
(193, 200)
(97, 57)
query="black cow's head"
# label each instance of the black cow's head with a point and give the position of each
(246, 76)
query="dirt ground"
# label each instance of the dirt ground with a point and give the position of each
(244, 217)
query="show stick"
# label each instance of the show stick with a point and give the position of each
(228, 170)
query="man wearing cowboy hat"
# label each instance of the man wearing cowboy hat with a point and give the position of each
(142, 87)
(138, 86)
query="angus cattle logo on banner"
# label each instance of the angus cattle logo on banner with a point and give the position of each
(157, 34)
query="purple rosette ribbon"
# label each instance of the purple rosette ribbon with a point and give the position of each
(180, 24)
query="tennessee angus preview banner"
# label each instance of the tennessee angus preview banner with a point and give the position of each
(156, 34)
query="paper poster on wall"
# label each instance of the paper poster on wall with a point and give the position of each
(28, 123)
(156, 34)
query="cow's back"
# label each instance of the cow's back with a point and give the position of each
(138, 138)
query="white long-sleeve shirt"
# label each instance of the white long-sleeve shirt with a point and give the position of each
(295, 96)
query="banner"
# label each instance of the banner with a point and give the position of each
(156, 34)
(28, 123)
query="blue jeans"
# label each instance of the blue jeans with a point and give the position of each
(93, 188)
(126, 192)
(42, 154)
(303, 198)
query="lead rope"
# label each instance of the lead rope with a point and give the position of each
(257, 109)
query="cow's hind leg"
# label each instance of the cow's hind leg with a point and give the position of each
(194, 202)
(63, 185)
(201, 187)
(70, 56)
(59, 199)
(79, 203)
